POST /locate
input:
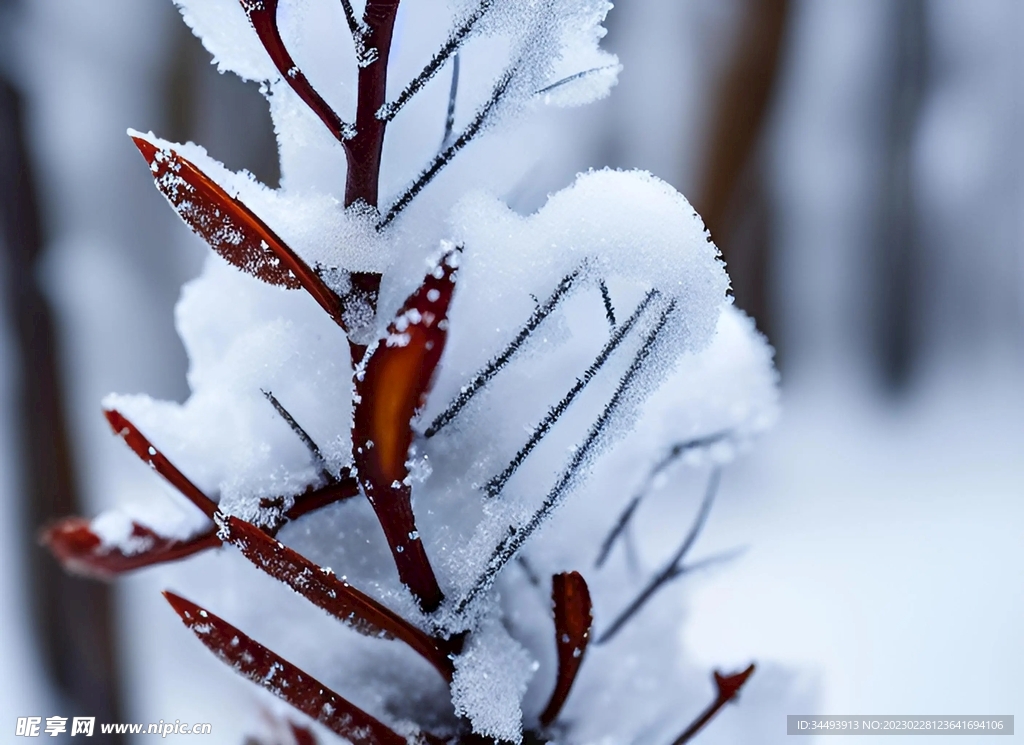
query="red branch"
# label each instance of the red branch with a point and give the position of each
(232, 229)
(344, 488)
(284, 680)
(573, 618)
(263, 17)
(81, 551)
(364, 142)
(364, 150)
(728, 688)
(326, 591)
(142, 448)
(391, 389)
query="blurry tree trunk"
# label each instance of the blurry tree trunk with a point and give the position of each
(72, 616)
(897, 257)
(731, 194)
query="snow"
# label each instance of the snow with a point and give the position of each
(245, 337)
(490, 678)
(885, 556)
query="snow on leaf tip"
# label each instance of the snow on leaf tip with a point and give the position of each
(257, 663)
(391, 390)
(78, 549)
(232, 229)
(573, 618)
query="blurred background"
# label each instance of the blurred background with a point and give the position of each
(860, 163)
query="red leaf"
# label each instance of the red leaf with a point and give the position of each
(81, 551)
(263, 17)
(145, 450)
(391, 389)
(573, 618)
(283, 679)
(330, 593)
(728, 687)
(232, 229)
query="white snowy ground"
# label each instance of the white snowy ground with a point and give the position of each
(885, 568)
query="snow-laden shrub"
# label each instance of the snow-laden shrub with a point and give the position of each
(396, 376)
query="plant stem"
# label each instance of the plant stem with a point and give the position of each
(364, 149)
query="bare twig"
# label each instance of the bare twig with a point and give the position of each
(494, 486)
(517, 536)
(355, 25)
(572, 78)
(531, 575)
(672, 568)
(318, 456)
(496, 364)
(674, 453)
(388, 111)
(446, 156)
(453, 92)
(609, 309)
(360, 32)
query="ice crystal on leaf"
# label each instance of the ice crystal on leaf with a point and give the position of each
(460, 406)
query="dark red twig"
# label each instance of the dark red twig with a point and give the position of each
(364, 141)
(573, 618)
(344, 488)
(391, 389)
(263, 17)
(257, 663)
(330, 593)
(365, 148)
(728, 688)
(145, 450)
(81, 551)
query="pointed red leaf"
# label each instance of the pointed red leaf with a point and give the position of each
(392, 388)
(145, 450)
(232, 229)
(329, 592)
(283, 679)
(83, 552)
(728, 686)
(573, 618)
(263, 17)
